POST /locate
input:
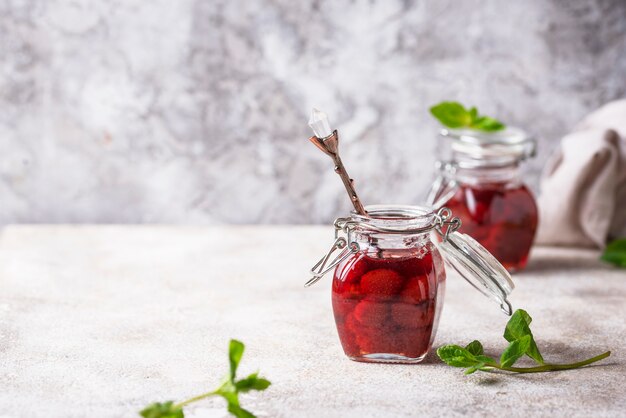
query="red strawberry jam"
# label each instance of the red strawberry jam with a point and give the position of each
(500, 217)
(387, 307)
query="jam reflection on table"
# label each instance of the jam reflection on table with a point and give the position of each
(387, 305)
(500, 217)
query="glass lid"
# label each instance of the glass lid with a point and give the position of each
(395, 218)
(479, 267)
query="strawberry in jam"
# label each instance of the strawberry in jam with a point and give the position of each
(501, 218)
(387, 308)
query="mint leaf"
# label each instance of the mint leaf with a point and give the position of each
(235, 352)
(457, 356)
(229, 390)
(487, 124)
(239, 412)
(615, 253)
(473, 112)
(232, 400)
(475, 348)
(455, 115)
(451, 114)
(487, 360)
(474, 368)
(515, 351)
(522, 343)
(162, 410)
(252, 382)
(518, 327)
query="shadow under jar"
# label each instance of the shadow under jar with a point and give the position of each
(481, 183)
(389, 279)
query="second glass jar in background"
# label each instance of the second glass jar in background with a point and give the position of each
(479, 180)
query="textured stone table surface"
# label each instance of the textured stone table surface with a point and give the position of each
(97, 321)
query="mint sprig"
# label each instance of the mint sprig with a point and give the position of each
(521, 342)
(615, 253)
(517, 328)
(455, 115)
(229, 390)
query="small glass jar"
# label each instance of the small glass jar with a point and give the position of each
(389, 279)
(480, 182)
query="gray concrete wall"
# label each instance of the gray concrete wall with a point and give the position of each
(195, 111)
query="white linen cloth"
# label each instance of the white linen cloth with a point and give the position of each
(583, 187)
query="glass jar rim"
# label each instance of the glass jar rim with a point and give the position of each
(501, 147)
(398, 219)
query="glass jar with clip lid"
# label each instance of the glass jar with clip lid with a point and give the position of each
(479, 180)
(389, 279)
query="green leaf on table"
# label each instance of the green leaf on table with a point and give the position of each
(474, 368)
(252, 382)
(228, 392)
(229, 389)
(235, 352)
(457, 356)
(239, 412)
(455, 115)
(515, 351)
(615, 253)
(521, 342)
(162, 410)
(486, 359)
(475, 347)
(518, 327)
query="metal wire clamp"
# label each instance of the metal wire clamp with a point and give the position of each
(442, 223)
